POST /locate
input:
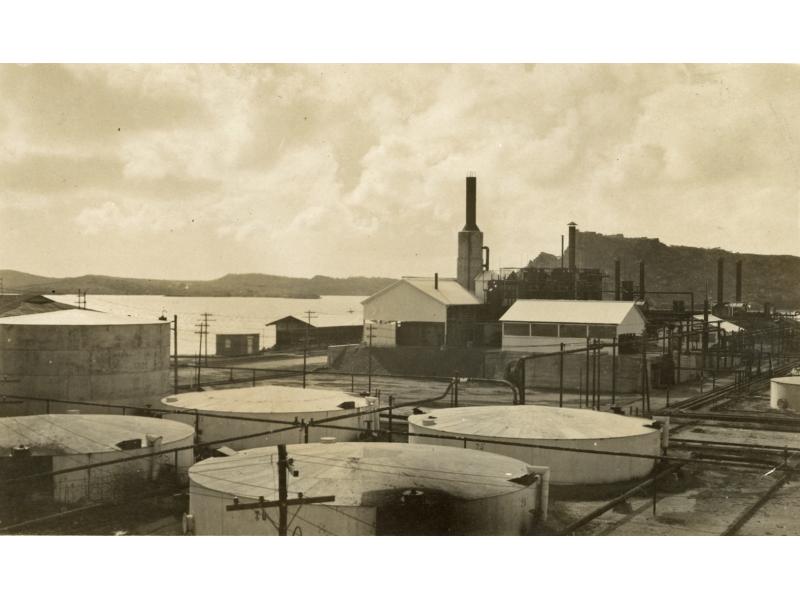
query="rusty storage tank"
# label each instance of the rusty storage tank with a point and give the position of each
(784, 393)
(45, 443)
(82, 355)
(228, 413)
(378, 489)
(560, 427)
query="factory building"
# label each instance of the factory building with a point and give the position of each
(237, 344)
(325, 330)
(562, 427)
(378, 489)
(82, 355)
(419, 311)
(543, 325)
(222, 414)
(43, 443)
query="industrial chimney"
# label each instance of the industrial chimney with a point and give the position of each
(738, 281)
(617, 282)
(641, 280)
(470, 241)
(573, 240)
(720, 281)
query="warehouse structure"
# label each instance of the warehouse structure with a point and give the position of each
(542, 325)
(82, 355)
(569, 428)
(221, 414)
(378, 489)
(43, 443)
(325, 330)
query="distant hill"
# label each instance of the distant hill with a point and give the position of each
(765, 278)
(236, 284)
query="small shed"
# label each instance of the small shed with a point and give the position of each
(323, 331)
(237, 344)
(531, 325)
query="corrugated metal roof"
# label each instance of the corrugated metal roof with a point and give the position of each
(359, 474)
(48, 435)
(263, 399)
(76, 316)
(348, 319)
(726, 326)
(449, 292)
(533, 423)
(607, 312)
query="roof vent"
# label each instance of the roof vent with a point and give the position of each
(327, 440)
(134, 444)
(347, 404)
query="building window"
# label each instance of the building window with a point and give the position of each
(516, 329)
(602, 332)
(545, 329)
(227, 344)
(569, 330)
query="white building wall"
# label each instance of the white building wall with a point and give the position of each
(384, 335)
(404, 302)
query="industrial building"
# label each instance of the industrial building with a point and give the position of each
(378, 489)
(325, 330)
(543, 325)
(43, 443)
(419, 311)
(221, 414)
(82, 355)
(543, 425)
(237, 344)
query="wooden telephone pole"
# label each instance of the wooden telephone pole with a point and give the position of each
(309, 315)
(283, 503)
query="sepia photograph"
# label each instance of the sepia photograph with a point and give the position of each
(436, 296)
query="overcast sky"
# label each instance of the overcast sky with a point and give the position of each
(197, 171)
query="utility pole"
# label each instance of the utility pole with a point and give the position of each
(206, 321)
(175, 338)
(200, 331)
(309, 315)
(283, 503)
(82, 299)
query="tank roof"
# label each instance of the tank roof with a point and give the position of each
(533, 422)
(264, 399)
(362, 474)
(791, 380)
(76, 316)
(60, 434)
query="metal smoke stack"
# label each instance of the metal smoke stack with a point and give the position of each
(617, 280)
(720, 281)
(738, 280)
(472, 201)
(641, 280)
(573, 240)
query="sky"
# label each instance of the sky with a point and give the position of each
(195, 171)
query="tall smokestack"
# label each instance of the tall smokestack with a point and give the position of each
(617, 281)
(641, 280)
(738, 280)
(470, 242)
(573, 240)
(720, 281)
(472, 199)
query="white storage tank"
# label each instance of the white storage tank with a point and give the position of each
(562, 427)
(784, 393)
(273, 402)
(379, 489)
(82, 355)
(44, 443)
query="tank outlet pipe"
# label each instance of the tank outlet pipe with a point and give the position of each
(544, 490)
(664, 420)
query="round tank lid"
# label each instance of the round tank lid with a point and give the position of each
(533, 422)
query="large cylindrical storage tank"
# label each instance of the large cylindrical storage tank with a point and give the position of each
(230, 413)
(784, 393)
(82, 355)
(45, 443)
(378, 488)
(562, 427)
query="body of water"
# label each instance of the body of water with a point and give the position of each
(228, 315)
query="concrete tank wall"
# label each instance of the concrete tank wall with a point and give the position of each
(216, 428)
(784, 393)
(116, 364)
(566, 468)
